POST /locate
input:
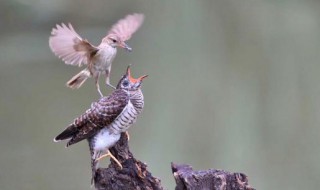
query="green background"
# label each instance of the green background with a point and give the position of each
(233, 84)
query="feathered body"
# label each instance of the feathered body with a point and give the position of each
(103, 123)
(67, 44)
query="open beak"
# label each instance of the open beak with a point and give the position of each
(142, 77)
(133, 80)
(125, 46)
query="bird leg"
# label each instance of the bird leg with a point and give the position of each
(108, 79)
(111, 156)
(96, 78)
(128, 136)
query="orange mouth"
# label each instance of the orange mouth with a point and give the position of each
(133, 80)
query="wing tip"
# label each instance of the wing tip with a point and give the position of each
(137, 14)
(56, 140)
(127, 26)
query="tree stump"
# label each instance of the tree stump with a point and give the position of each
(135, 175)
(188, 179)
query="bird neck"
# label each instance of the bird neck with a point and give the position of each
(135, 94)
(107, 53)
(107, 45)
(136, 98)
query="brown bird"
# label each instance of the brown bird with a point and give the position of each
(73, 50)
(107, 118)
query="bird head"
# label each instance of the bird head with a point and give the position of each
(115, 41)
(129, 83)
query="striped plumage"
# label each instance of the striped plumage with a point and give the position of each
(130, 112)
(103, 123)
(101, 114)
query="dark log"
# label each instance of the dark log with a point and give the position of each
(188, 179)
(134, 174)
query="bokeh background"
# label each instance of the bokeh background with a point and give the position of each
(233, 84)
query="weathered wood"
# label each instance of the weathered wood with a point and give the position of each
(134, 174)
(188, 179)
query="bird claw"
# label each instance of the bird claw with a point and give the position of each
(98, 89)
(112, 157)
(128, 136)
(111, 86)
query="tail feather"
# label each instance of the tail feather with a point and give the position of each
(78, 79)
(94, 165)
(94, 162)
(67, 133)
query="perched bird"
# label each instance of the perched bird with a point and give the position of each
(107, 118)
(73, 50)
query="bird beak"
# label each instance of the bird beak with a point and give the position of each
(142, 77)
(133, 80)
(125, 46)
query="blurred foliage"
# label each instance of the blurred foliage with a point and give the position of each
(232, 85)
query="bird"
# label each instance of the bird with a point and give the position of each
(68, 45)
(103, 123)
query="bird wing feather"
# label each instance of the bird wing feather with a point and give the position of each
(69, 46)
(100, 115)
(125, 27)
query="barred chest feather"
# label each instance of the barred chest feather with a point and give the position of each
(108, 136)
(129, 114)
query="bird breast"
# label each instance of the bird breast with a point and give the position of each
(127, 117)
(104, 58)
(110, 134)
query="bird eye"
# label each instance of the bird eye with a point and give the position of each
(114, 41)
(125, 83)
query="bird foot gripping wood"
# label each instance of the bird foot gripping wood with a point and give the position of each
(112, 157)
(128, 136)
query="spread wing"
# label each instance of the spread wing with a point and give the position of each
(101, 114)
(69, 46)
(124, 28)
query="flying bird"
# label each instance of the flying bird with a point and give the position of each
(68, 45)
(107, 118)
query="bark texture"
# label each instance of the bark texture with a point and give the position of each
(188, 179)
(134, 174)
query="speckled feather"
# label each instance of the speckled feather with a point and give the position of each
(101, 114)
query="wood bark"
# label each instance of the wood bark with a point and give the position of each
(135, 175)
(188, 179)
